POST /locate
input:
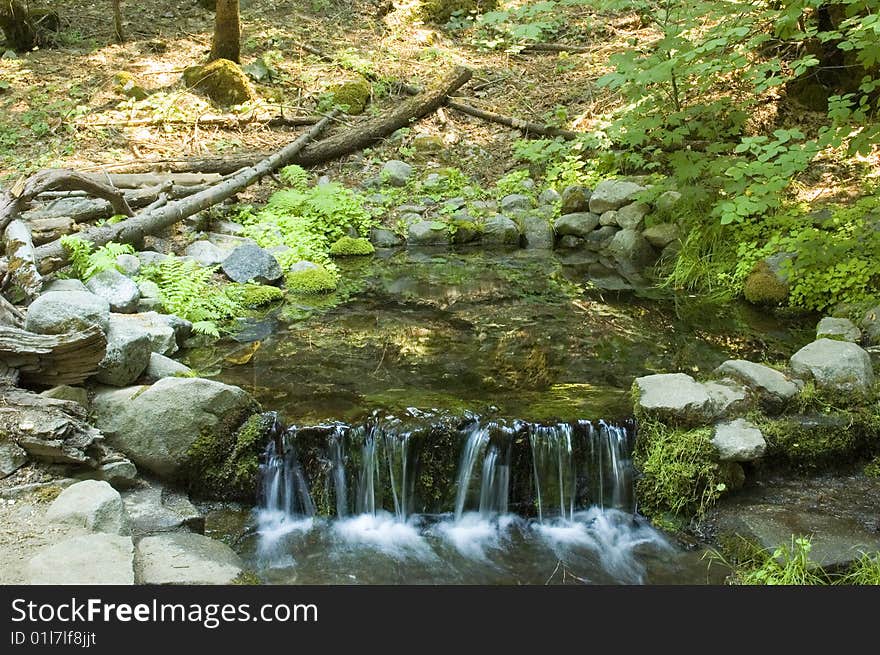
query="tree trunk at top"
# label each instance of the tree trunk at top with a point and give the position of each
(17, 26)
(227, 32)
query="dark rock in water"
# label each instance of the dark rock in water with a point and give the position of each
(250, 263)
(251, 329)
(500, 230)
(428, 233)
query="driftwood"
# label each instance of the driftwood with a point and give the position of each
(52, 359)
(52, 256)
(22, 193)
(49, 429)
(10, 315)
(22, 278)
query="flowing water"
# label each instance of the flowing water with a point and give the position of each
(450, 407)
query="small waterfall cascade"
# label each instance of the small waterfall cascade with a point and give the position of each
(609, 451)
(489, 444)
(284, 487)
(554, 469)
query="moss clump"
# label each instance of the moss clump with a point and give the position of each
(352, 95)
(465, 231)
(762, 287)
(440, 11)
(46, 494)
(872, 469)
(125, 84)
(224, 464)
(351, 247)
(253, 295)
(680, 472)
(221, 80)
(311, 281)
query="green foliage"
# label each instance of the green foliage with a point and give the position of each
(787, 565)
(189, 291)
(349, 246)
(865, 571)
(86, 261)
(515, 27)
(680, 473)
(440, 11)
(560, 163)
(513, 183)
(872, 468)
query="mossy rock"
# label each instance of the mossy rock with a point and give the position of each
(224, 464)
(440, 11)
(124, 83)
(311, 281)
(466, 231)
(352, 95)
(763, 287)
(221, 80)
(351, 247)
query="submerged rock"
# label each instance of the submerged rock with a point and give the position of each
(58, 312)
(94, 559)
(835, 365)
(186, 558)
(90, 504)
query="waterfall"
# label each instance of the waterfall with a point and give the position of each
(554, 470)
(337, 462)
(284, 486)
(477, 438)
(491, 443)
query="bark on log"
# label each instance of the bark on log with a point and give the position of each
(52, 256)
(49, 429)
(10, 315)
(51, 359)
(227, 122)
(22, 281)
(128, 181)
(44, 230)
(22, 193)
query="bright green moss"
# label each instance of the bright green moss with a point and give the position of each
(221, 80)
(872, 469)
(762, 287)
(352, 95)
(350, 247)
(311, 281)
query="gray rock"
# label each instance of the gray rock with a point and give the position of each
(485, 206)
(841, 329)
(738, 441)
(12, 458)
(228, 242)
(631, 250)
(396, 172)
(128, 353)
(662, 234)
(428, 233)
(515, 202)
(608, 218)
(674, 396)
(205, 253)
(129, 265)
(156, 426)
(150, 258)
(411, 218)
(93, 559)
(570, 242)
(71, 284)
(667, 201)
(120, 474)
(500, 230)
(632, 216)
(157, 244)
(163, 338)
(835, 365)
(111, 285)
(773, 388)
(303, 265)
(186, 558)
(613, 194)
(454, 204)
(779, 265)
(57, 312)
(65, 392)
(575, 199)
(227, 227)
(165, 367)
(598, 239)
(549, 197)
(157, 509)
(182, 327)
(250, 263)
(538, 233)
(727, 396)
(410, 208)
(579, 224)
(90, 504)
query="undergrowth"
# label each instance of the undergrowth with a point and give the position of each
(86, 261)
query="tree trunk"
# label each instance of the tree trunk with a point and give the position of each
(117, 21)
(17, 26)
(227, 32)
(24, 281)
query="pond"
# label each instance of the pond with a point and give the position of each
(387, 382)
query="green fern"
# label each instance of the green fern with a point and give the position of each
(86, 263)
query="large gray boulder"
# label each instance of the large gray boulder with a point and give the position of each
(160, 328)
(427, 233)
(579, 224)
(632, 216)
(515, 202)
(205, 253)
(57, 312)
(738, 441)
(186, 558)
(250, 263)
(662, 234)
(161, 366)
(156, 426)
(631, 250)
(128, 353)
(613, 194)
(538, 233)
(111, 285)
(841, 329)
(93, 559)
(771, 386)
(835, 365)
(128, 265)
(90, 504)
(500, 230)
(673, 397)
(396, 172)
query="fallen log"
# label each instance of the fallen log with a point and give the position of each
(128, 181)
(51, 359)
(22, 281)
(49, 429)
(10, 315)
(16, 199)
(556, 47)
(52, 256)
(227, 122)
